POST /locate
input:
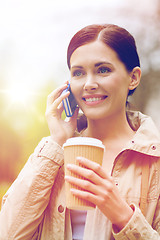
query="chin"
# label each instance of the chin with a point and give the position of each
(94, 115)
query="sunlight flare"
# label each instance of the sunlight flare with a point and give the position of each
(19, 94)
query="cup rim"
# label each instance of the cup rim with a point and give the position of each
(84, 141)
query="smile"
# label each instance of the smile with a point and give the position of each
(94, 100)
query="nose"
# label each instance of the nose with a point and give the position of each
(90, 83)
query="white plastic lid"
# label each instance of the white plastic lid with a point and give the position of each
(83, 141)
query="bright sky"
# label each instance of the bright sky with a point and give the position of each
(35, 34)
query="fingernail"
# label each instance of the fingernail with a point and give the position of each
(79, 159)
(69, 166)
(66, 177)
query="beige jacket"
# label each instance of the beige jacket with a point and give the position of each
(34, 206)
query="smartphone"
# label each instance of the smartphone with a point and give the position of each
(69, 103)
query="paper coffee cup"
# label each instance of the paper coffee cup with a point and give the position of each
(90, 148)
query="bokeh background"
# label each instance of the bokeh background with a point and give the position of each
(34, 35)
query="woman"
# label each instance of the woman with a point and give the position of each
(105, 70)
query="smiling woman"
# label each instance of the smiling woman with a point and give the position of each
(102, 82)
(105, 69)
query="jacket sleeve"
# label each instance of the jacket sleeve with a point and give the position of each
(137, 228)
(24, 204)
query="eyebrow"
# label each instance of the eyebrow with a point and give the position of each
(76, 66)
(101, 63)
(96, 65)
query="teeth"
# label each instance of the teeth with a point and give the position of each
(92, 99)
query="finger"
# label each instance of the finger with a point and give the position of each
(75, 115)
(88, 196)
(73, 119)
(66, 82)
(58, 101)
(60, 108)
(105, 192)
(53, 107)
(81, 183)
(84, 184)
(93, 166)
(85, 173)
(55, 94)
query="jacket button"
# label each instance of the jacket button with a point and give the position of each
(60, 209)
(153, 147)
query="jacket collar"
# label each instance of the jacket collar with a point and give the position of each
(147, 138)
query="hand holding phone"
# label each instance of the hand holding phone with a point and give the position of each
(69, 103)
(60, 129)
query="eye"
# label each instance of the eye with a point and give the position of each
(104, 70)
(77, 73)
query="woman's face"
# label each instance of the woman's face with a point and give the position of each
(99, 80)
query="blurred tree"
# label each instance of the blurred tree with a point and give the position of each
(148, 38)
(10, 147)
(10, 151)
(37, 125)
(16, 144)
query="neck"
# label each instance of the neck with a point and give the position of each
(110, 129)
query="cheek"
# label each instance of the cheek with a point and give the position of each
(76, 87)
(111, 84)
(75, 90)
(117, 84)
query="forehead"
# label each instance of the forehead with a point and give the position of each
(94, 51)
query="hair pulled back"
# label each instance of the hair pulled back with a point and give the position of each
(117, 38)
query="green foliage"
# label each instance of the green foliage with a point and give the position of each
(22, 126)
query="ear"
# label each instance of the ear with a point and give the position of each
(135, 78)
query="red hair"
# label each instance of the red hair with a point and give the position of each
(117, 38)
